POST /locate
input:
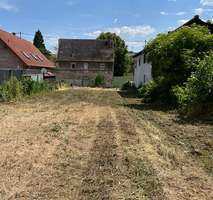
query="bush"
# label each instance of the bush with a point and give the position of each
(196, 95)
(156, 92)
(32, 87)
(16, 89)
(128, 86)
(12, 89)
(99, 80)
(175, 57)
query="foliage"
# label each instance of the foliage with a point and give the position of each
(32, 87)
(197, 93)
(12, 89)
(129, 63)
(99, 80)
(38, 41)
(128, 86)
(119, 81)
(121, 53)
(15, 89)
(174, 58)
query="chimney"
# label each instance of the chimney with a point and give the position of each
(196, 17)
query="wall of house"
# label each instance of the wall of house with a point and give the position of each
(142, 71)
(8, 59)
(84, 73)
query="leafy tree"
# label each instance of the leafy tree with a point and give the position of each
(197, 93)
(175, 57)
(38, 41)
(121, 57)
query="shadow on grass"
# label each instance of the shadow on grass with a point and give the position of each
(132, 101)
(182, 119)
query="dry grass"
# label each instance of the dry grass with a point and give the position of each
(84, 144)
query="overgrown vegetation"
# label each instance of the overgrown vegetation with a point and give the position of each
(196, 95)
(177, 57)
(99, 80)
(15, 89)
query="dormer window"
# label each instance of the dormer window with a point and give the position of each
(26, 54)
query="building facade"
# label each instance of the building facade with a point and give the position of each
(142, 69)
(19, 54)
(79, 62)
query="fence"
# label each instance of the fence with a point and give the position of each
(6, 74)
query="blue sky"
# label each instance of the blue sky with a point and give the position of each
(134, 20)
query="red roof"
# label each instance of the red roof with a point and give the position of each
(25, 51)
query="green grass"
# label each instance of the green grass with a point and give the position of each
(119, 81)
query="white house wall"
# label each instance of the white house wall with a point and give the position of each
(142, 72)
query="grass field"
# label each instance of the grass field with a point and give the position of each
(88, 144)
(119, 81)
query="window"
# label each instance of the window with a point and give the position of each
(86, 66)
(40, 58)
(26, 54)
(139, 62)
(34, 56)
(102, 66)
(73, 65)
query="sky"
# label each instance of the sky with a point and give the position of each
(136, 21)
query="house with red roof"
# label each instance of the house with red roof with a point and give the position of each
(20, 54)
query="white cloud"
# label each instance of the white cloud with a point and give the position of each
(115, 20)
(164, 13)
(126, 31)
(135, 44)
(182, 21)
(4, 5)
(172, 0)
(207, 2)
(180, 13)
(71, 3)
(199, 11)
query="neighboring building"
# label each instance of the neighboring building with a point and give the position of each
(80, 61)
(143, 69)
(196, 20)
(19, 54)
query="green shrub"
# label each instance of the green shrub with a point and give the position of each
(99, 80)
(129, 85)
(196, 95)
(175, 57)
(12, 89)
(156, 92)
(15, 89)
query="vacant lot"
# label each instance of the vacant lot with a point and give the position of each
(84, 144)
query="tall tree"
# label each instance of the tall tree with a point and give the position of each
(121, 52)
(38, 41)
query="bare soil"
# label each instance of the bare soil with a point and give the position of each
(88, 144)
